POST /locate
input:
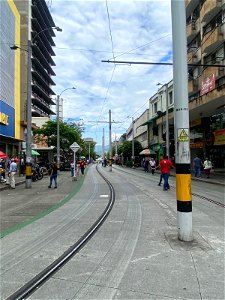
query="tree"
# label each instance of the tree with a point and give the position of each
(126, 149)
(68, 135)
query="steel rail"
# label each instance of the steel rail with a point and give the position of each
(30, 287)
(193, 194)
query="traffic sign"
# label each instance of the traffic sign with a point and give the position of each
(183, 135)
(75, 147)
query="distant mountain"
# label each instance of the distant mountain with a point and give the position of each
(98, 149)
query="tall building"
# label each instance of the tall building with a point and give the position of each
(36, 25)
(205, 21)
(10, 134)
(22, 21)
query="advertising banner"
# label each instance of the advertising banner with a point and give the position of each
(219, 137)
(208, 85)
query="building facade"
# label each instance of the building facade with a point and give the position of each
(206, 51)
(22, 21)
(10, 134)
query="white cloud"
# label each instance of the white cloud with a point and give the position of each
(141, 31)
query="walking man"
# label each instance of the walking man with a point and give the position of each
(165, 165)
(197, 163)
(12, 172)
(53, 172)
(153, 165)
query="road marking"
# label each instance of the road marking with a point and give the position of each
(104, 196)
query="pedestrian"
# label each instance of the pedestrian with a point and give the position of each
(72, 168)
(146, 165)
(165, 165)
(82, 166)
(22, 166)
(105, 162)
(2, 170)
(207, 165)
(12, 172)
(197, 163)
(153, 165)
(53, 172)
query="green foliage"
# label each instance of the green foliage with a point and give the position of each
(69, 133)
(126, 149)
(129, 163)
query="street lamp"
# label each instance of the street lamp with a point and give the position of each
(29, 113)
(167, 120)
(57, 116)
(132, 140)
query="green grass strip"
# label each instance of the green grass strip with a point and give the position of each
(76, 189)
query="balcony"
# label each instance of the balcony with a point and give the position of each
(217, 71)
(194, 56)
(193, 86)
(190, 6)
(213, 39)
(210, 9)
(192, 29)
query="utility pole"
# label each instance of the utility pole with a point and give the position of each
(167, 125)
(110, 142)
(133, 142)
(181, 110)
(103, 144)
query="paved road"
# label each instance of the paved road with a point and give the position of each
(135, 254)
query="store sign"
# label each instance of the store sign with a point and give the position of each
(208, 85)
(7, 120)
(219, 136)
(4, 119)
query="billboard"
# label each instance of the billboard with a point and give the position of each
(9, 70)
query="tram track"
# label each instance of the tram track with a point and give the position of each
(42, 277)
(173, 187)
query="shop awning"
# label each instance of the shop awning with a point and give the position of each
(147, 152)
(149, 121)
(34, 152)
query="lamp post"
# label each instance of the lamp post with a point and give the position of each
(133, 142)
(29, 113)
(57, 116)
(132, 155)
(167, 120)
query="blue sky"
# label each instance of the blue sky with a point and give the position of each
(98, 30)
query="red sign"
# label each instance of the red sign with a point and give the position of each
(208, 85)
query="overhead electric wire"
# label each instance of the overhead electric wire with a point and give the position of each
(127, 52)
(111, 38)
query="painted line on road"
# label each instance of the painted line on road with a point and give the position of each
(48, 211)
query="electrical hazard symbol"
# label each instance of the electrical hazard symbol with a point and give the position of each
(183, 135)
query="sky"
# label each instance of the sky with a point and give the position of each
(92, 31)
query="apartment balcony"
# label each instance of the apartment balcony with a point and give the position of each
(192, 29)
(194, 56)
(190, 6)
(210, 9)
(217, 71)
(213, 39)
(193, 86)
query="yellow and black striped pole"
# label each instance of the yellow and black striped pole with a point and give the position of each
(181, 117)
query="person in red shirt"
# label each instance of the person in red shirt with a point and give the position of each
(82, 166)
(165, 165)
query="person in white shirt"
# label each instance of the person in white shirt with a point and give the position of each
(12, 172)
(152, 165)
(207, 165)
(72, 168)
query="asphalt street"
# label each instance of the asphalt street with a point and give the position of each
(134, 255)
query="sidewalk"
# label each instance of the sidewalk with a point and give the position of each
(216, 177)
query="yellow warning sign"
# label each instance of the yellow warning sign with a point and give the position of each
(183, 135)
